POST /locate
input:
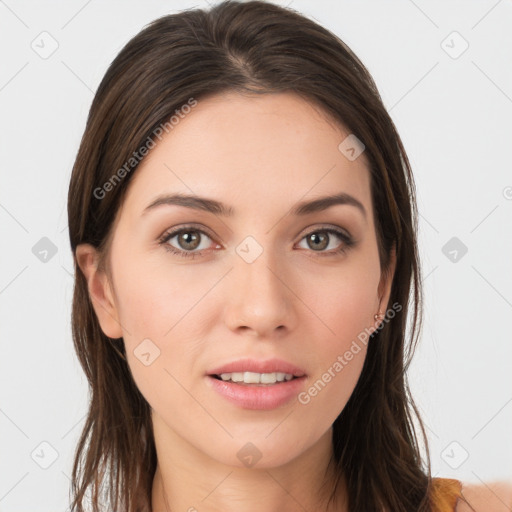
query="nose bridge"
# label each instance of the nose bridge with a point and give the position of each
(260, 299)
(256, 269)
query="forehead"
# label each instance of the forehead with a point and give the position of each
(255, 151)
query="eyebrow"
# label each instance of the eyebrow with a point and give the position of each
(218, 208)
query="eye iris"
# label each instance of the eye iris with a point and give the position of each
(315, 237)
(185, 239)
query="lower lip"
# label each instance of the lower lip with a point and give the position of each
(260, 397)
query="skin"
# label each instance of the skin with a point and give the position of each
(495, 496)
(260, 155)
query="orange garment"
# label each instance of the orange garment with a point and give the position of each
(445, 493)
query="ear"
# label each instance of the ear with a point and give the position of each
(100, 290)
(386, 281)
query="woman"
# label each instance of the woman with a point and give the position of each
(243, 221)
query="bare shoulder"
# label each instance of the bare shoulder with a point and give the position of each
(487, 497)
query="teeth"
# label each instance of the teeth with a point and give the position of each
(256, 378)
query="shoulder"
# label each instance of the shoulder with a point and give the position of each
(486, 497)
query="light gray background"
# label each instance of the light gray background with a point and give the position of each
(453, 113)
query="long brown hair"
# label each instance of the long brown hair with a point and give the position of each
(250, 47)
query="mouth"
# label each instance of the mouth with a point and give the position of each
(257, 391)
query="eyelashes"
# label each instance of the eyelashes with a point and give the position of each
(325, 233)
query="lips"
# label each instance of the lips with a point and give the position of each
(258, 366)
(255, 396)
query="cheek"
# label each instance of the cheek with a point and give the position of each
(153, 300)
(340, 356)
(345, 305)
(158, 310)
(345, 301)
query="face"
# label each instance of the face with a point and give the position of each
(263, 282)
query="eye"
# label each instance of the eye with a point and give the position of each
(321, 239)
(188, 240)
(191, 241)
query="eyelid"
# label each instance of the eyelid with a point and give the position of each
(319, 227)
(171, 232)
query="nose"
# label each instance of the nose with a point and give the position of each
(260, 297)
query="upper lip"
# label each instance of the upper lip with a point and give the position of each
(258, 366)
